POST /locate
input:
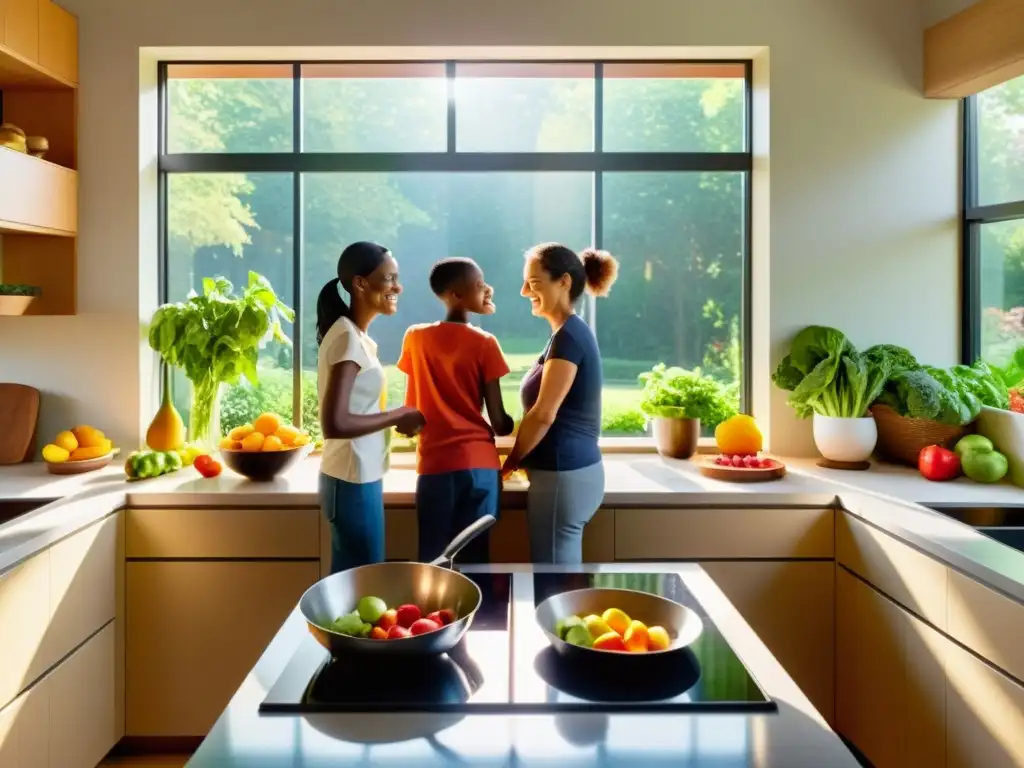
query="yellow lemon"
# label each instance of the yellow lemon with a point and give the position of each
(67, 441)
(55, 454)
(617, 619)
(738, 435)
(286, 433)
(596, 625)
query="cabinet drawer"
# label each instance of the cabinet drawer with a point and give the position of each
(696, 534)
(223, 533)
(988, 623)
(24, 615)
(83, 705)
(909, 577)
(82, 591)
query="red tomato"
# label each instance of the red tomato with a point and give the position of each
(443, 617)
(407, 614)
(398, 631)
(1016, 401)
(422, 626)
(938, 463)
(201, 461)
(210, 468)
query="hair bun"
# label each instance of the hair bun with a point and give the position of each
(601, 269)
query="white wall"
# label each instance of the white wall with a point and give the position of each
(863, 186)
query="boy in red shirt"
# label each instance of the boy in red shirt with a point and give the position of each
(454, 369)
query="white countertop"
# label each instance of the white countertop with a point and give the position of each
(794, 736)
(886, 496)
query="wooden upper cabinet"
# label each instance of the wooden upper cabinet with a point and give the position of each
(58, 40)
(21, 27)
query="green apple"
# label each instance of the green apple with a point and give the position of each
(371, 608)
(984, 467)
(973, 444)
(578, 635)
(563, 626)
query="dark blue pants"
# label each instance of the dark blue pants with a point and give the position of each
(448, 502)
(356, 514)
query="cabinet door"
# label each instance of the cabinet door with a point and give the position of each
(24, 614)
(790, 605)
(194, 631)
(21, 27)
(984, 714)
(24, 729)
(82, 593)
(890, 683)
(82, 704)
(58, 41)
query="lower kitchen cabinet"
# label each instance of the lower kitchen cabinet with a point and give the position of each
(510, 538)
(890, 679)
(83, 704)
(25, 729)
(790, 605)
(194, 631)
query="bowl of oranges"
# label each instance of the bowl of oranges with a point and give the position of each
(265, 448)
(78, 450)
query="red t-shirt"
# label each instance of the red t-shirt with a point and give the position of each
(447, 365)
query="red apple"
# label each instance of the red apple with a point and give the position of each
(398, 631)
(388, 619)
(407, 614)
(422, 626)
(378, 634)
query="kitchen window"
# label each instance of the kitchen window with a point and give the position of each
(275, 167)
(994, 223)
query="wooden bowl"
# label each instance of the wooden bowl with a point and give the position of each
(83, 465)
(262, 466)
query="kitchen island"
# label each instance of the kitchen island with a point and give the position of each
(793, 735)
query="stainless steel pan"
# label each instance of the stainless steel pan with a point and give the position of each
(684, 626)
(428, 585)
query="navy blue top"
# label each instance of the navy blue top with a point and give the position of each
(571, 442)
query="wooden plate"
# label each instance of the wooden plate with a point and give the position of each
(83, 465)
(708, 468)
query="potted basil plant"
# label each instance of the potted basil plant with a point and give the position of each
(14, 299)
(678, 401)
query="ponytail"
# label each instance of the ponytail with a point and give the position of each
(330, 308)
(357, 260)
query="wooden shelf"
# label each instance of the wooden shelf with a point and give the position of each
(37, 196)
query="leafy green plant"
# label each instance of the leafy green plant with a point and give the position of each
(952, 396)
(215, 338)
(676, 393)
(14, 289)
(825, 374)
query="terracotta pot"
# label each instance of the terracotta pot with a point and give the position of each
(676, 438)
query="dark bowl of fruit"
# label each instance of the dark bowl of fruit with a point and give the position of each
(397, 608)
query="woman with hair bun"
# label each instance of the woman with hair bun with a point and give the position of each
(352, 390)
(557, 439)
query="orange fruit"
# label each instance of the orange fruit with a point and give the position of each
(238, 434)
(658, 639)
(609, 641)
(253, 442)
(88, 437)
(272, 443)
(596, 625)
(636, 637)
(227, 443)
(286, 433)
(617, 620)
(267, 423)
(301, 439)
(738, 435)
(67, 441)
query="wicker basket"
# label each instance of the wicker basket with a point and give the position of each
(900, 439)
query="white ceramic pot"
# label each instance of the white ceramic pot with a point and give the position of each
(845, 439)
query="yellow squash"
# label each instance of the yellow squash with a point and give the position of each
(167, 431)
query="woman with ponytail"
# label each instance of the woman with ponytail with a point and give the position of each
(557, 439)
(352, 391)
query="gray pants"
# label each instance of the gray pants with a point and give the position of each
(558, 505)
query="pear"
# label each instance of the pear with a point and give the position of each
(167, 431)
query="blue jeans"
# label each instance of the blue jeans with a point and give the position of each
(356, 514)
(558, 507)
(448, 502)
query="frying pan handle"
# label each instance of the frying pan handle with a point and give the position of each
(465, 536)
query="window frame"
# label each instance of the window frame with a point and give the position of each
(973, 217)
(596, 161)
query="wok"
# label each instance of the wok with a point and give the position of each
(427, 585)
(684, 626)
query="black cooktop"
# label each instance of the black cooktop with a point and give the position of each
(504, 664)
